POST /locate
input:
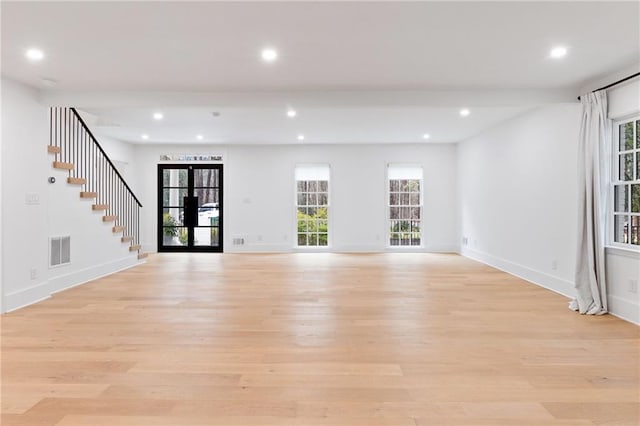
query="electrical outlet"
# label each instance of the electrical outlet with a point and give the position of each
(259, 237)
(33, 273)
(465, 241)
(554, 265)
(32, 198)
(633, 286)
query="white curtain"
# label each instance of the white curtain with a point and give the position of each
(593, 173)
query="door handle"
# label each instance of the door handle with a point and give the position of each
(190, 211)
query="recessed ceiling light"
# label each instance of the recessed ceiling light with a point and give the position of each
(200, 137)
(426, 136)
(301, 137)
(465, 112)
(269, 55)
(34, 54)
(145, 136)
(291, 113)
(158, 116)
(558, 52)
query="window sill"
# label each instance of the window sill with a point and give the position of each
(311, 249)
(405, 248)
(623, 251)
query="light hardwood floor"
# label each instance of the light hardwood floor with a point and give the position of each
(315, 339)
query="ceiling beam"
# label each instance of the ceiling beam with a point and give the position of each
(360, 99)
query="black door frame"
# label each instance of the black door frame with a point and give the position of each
(190, 186)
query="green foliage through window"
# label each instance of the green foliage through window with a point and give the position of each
(312, 212)
(405, 211)
(626, 191)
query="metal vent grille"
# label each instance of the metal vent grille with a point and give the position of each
(59, 250)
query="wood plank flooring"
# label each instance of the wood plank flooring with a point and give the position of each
(315, 339)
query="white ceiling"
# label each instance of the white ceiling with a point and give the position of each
(318, 125)
(197, 47)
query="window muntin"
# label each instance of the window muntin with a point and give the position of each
(405, 206)
(312, 206)
(626, 184)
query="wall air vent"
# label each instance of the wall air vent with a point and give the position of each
(59, 251)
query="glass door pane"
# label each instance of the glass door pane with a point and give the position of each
(175, 183)
(207, 189)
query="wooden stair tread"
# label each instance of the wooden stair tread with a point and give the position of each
(109, 218)
(62, 166)
(76, 181)
(53, 149)
(135, 247)
(142, 255)
(117, 229)
(100, 207)
(126, 239)
(88, 194)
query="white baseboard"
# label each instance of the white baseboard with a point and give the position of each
(45, 289)
(25, 297)
(555, 284)
(354, 248)
(149, 248)
(258, 248)
(617, 306)
(76, 278)
(624, 309)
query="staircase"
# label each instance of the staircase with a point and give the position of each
(77, 151)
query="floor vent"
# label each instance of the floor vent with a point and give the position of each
(59, 251)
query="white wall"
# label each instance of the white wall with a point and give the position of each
(624, 265)
(517, 188)
(518, 195)
(58, 210)
(121, 154)
(1, 224)
(259, 193)
(25, 166)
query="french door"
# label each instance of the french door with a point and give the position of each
(190, 207)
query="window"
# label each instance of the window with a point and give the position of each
(405, 205)
(312, 205)
(626, 183)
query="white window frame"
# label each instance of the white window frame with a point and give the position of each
(615, 180)
(295, 210)
(388, 208)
